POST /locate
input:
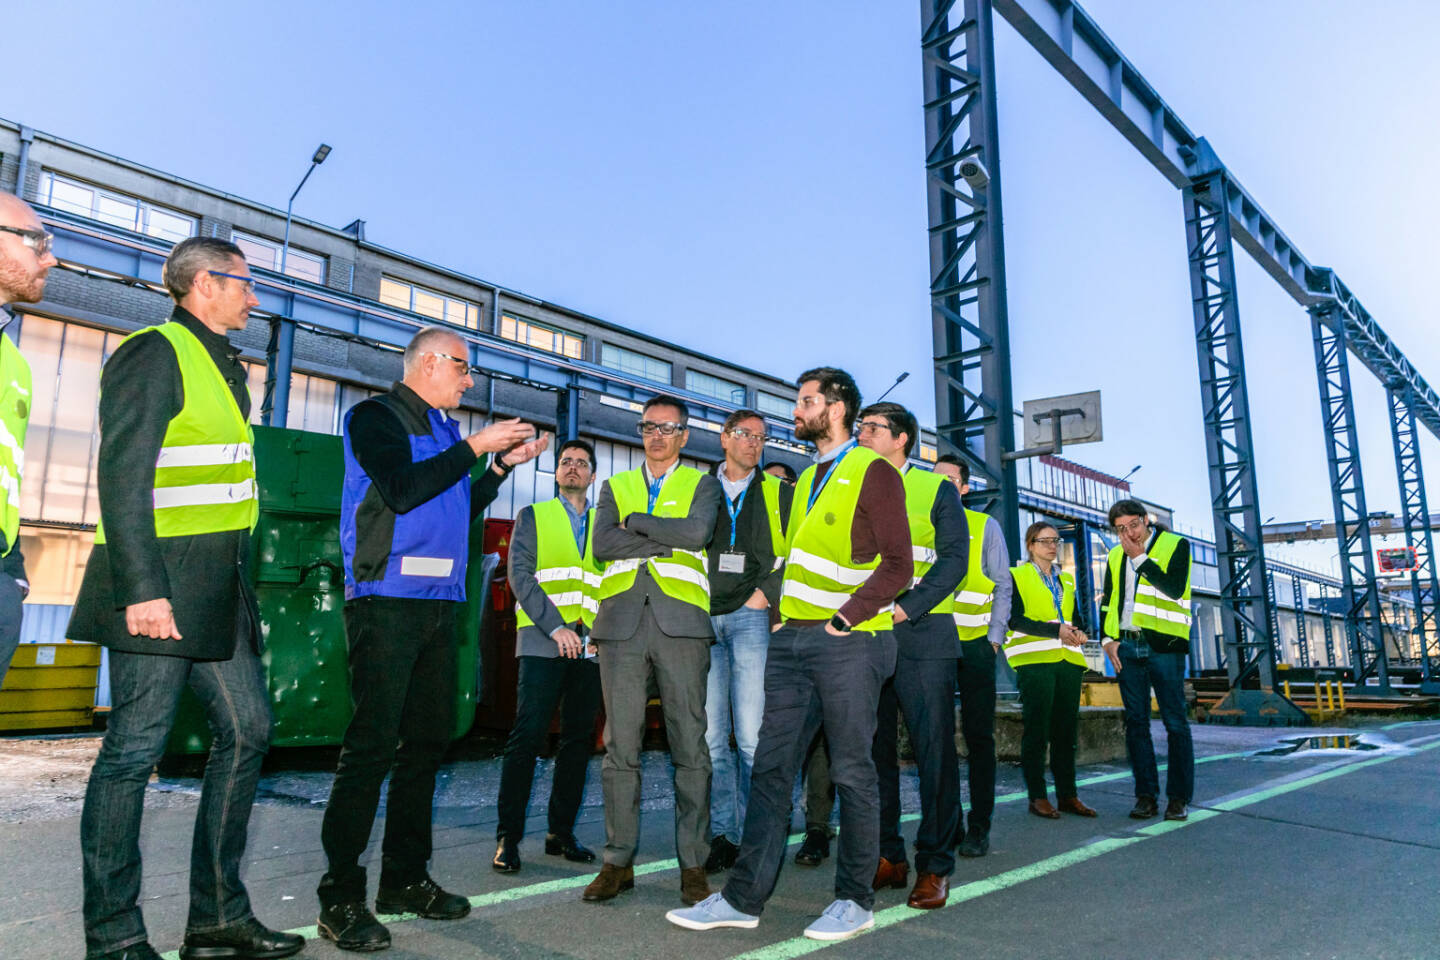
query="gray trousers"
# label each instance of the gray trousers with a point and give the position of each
(10, 601)
(680, 666)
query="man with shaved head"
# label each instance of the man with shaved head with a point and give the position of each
(405, 516)
(25, 259)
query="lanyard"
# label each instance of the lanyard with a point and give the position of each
(655, 486)
(1057, 591)
(735, 509)
(815, 490)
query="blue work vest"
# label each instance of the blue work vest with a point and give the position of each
(420, 554)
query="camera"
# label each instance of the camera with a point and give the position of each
(974, 173)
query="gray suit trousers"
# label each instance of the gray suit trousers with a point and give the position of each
(680, 666)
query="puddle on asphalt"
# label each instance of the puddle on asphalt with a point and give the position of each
(1291, 745)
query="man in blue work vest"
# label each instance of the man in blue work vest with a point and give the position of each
(25, 260)
(405, 520)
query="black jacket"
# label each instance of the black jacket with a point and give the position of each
(729, 591)
(203, 576)
(1171, 583)
(922, 636)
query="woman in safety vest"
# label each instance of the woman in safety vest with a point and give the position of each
(1043, 646)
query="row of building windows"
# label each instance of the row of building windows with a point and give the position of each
(162, 223)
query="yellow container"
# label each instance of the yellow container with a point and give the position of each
(50, 685)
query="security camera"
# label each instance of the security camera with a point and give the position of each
(975, 173)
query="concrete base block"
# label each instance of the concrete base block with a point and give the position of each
(1101, 734)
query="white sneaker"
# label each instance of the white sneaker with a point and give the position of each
(841, 920)
(710, 913)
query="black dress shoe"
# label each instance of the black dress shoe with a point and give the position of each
(136, 951)
(423, 898)
(976, 843)
(1175, 810)
(815, 848)
(1144, 809)
(247, 940)
(564, 846)
(507, 856)
(353, 927)
(722, 854)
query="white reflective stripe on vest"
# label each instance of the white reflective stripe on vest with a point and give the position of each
(10, 485)
(1032, 645)
(675, 571)
(828, 599)
(17, 452)
(589, 603)
(593, 579)
(972, 619)
(776, 565)
(572, 598)
(1174, 616)
(922, 554)
(426, 566)
(204, 455)
(830, 570)
(559, 573)
(617, 567)
(203, 494)
(972, 596)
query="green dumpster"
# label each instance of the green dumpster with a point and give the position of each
(300, 587)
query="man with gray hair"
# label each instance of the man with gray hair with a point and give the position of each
(405, 516)
(167, 590)
(25, 259)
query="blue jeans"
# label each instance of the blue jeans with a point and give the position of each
(1165, 672)
(10, 607)
(735, 696)
(144, 693)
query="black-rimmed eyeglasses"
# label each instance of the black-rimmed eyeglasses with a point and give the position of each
(669, 428)
(40, 241)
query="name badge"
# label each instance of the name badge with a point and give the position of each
(732, 563)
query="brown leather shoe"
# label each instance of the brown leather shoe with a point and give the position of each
(1073, 805)
(693, 886)
(930, 893)
(891, 874)
(609, 883)
(1043, 808)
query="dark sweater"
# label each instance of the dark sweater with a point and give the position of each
(729, 591)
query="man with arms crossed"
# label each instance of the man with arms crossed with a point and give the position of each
(652, 526)
(847, 557)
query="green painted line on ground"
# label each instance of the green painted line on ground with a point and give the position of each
(562, 884)
(800, 946)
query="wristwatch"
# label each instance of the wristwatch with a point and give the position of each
(838, 622)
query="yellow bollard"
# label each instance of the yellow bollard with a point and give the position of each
(1287, 688)
(1340, 687)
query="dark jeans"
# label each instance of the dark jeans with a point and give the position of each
(976, 686)
(814, 679)
(1050, 709)
(144, 693)
(924, 691)
(11, 602)
(544, 682)
(1165, 672)
(819, 791)
(402, 684)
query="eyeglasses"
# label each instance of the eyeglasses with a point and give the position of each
(576, 462)
(813, 401)
(745, 436)
(871, 426)
(648, 428)
(1049, 540)
(247, 282)
(41, 241)
(1133, 526)
(445, 356)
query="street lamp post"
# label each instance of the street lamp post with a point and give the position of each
(280, 353)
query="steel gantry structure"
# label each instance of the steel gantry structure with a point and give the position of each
(970, 329)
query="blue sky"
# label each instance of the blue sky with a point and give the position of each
(746, 178)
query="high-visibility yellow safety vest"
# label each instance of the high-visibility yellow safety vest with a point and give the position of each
(921, 489)
(820, 572)
(975, 597)
(1153, 609)
(571, 581)
(770, 488)
(14, 418)
(682, 575)
(205, 473)
(1038, 603)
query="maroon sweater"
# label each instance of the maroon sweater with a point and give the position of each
(881, 528)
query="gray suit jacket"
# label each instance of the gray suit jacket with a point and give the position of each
(645, 536)
(532, 641)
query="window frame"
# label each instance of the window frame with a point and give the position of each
(606, 346)
(236, 236)
(143, 207)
